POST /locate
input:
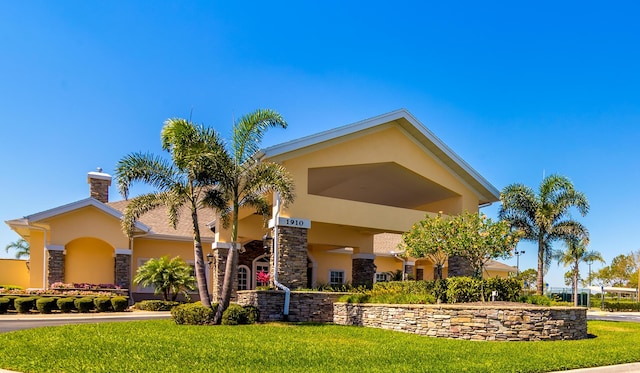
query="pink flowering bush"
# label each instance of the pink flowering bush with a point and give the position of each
(263, 278)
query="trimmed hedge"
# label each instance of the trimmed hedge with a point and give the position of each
(66, 305)
(156, 305)
(235, 314)
(4, 305)
(621, 306)
(12, 299)
(24, 304)
(193, 314)
(450, 290)
(84, 305)
(102, 304)
(119, 304)
(46, 304)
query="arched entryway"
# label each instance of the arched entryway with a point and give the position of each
(89, 260)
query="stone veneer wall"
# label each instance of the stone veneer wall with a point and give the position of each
(304, 306)
(363, 271)
(292, 262)
(498, 323)
(123, 270)
(55, 267)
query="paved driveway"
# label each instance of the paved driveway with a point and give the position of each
(613, 316)
(11, 322)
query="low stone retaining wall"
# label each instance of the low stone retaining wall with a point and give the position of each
(304, 306)
(500, 323)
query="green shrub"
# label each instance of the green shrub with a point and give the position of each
(24, 304)
(66, 305)
(253, 314)
(355, 298)
(84, 305)
(12, 299)
(46, 304)
(621, 306)
(156, 305)
(4, 305)
(539, 300)
(508, 289)
(11, 287)
(463, 289)
(102, 304)
(193, 314)
(235, 314)
(119, 304)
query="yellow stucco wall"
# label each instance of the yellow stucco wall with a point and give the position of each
(89, 260)
(327, 261)
(14, 272)
(36, 258)
(387, 264)
(87, 222)
(388, 144)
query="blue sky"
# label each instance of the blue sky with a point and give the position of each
(517, 90)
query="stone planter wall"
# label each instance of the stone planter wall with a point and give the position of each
(498, 323)
(304, 306)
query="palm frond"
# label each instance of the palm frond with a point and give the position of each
(249, 130)
(147, 168)
(142, 204)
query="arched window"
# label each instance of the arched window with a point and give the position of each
(260, 264)
(243, 277)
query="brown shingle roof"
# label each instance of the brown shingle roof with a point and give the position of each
(159, 223)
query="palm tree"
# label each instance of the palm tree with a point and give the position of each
(575, 254)
(244, 181)
(544, 217)
(169, 277)
(181, 182)
(21, 248)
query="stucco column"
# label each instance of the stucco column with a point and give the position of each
(218, 267)
(292, 257)
(459, 266)
(363, 270)
(122, 268)
(55, 264)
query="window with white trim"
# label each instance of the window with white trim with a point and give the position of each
(243, 277)
(382, 276)
(336, 277)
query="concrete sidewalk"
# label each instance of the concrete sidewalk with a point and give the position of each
(88, 315)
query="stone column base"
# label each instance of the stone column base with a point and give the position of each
(363, 270)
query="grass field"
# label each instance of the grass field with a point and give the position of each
(162, 346)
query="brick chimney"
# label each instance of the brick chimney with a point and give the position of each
(99, 185)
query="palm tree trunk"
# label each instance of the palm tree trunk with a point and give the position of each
(540, 279)
(575, 285)
(200, 267)
(229, 272)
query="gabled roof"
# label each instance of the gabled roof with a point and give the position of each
(486, 192)
(73, 206)
(153, 224)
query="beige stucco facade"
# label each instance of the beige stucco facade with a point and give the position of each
(352, 183)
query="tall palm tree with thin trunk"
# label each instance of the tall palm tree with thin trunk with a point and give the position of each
(243, 180)
(182, 181)
(545, 217)
(575, 254)
(20, 246)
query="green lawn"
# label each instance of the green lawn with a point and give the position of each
(162, 346)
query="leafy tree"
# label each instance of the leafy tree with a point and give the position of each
(169, 277)
(427, 239)
(469, 235)
(621, 272)
(575, 254)
(20, 246)
(244, 181)
(544, 217)
(528, 277)
(182, 181)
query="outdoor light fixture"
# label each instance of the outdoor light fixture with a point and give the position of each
(210, 260)
(517, 254)
(266, 241)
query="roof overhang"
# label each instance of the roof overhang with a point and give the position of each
(33, 219)
(485, 192)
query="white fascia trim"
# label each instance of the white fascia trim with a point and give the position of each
(363, 256)
(54, 247)
(410, 263)
(78, 205)
(169, 237)
(221, 245)
(123, 251)
(429, 138)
